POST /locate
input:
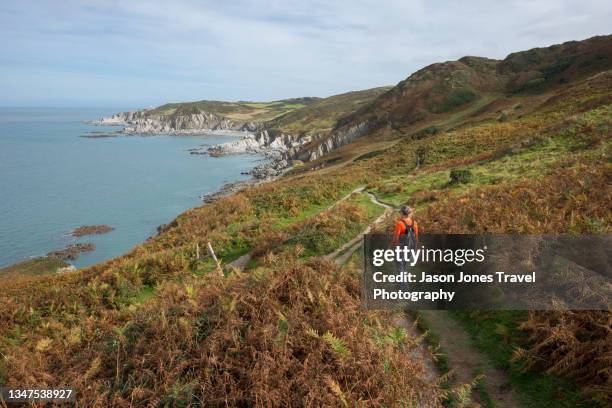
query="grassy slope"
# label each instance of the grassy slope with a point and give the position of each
(307, 115)
(36, 266)
(222, 338)
(560, 149)
(464, 92)
(239, 111)
(537, 156)
(321, 116)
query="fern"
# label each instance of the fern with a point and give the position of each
(312, 332)
(335, 387)
(337, 345)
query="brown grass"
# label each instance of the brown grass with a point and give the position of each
(573, 344)
(289, 334)
(574, 199)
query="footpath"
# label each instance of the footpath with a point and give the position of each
(467, 364)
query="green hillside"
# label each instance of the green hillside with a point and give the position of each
(160, 327)
(307, 116)
(446, 95)
(321, 116)
(34, 266)
(239, 111)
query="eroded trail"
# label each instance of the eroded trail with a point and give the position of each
(419, 352)
(342, 254)
(466, 361)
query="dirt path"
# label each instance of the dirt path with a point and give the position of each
(241, 263)
(342, 254)
(467, 361)
(420, 351)
(346, 197)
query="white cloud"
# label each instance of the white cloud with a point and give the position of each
(149, 52)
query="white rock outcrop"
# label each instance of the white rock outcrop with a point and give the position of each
(144, 122)
(264, 141)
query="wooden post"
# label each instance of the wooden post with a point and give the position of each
(197, 250)
(214, 257)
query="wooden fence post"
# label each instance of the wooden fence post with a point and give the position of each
(214, 257)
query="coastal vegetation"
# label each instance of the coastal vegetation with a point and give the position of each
(320, 117)
(35, 266)
(158, 327)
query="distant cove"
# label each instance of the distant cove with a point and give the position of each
(53, 181)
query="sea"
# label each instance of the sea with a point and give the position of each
(52, 180)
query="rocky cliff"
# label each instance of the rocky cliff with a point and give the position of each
(336, 139)
(275, 145)
(281, 148)
(261, 142)
(143, 122)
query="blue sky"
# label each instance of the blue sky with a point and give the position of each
(144, 53)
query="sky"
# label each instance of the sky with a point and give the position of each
(145, 53)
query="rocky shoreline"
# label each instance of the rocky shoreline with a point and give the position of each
(275, 146)
(226, 189)
(268, 171)
(253, 137)
(143, 122)
(278, 148)
(72, 251)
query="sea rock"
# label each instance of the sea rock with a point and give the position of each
(72, 251)
(91, 229)
(225, 190)
(270, 169)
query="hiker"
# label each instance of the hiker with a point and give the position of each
(406, 233)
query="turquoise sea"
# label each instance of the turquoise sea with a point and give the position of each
(52, 181)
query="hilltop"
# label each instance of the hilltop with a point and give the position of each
(253, 111)
(288, 115)
(450, 94)
(160, 326)
(204, 115)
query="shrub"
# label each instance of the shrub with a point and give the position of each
(393, 188)
(460, 176)
(293, 335)
(503, 117)
(423, 196)
(455, 99)
(572, 344)
(428, 131)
